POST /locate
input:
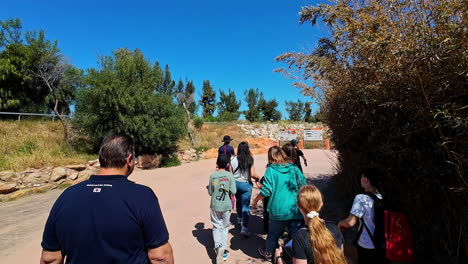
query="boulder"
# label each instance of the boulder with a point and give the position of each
(76, 167)
(84, 175)
(28, 191)
(149, 161)
(6, 188)
(58, 174)
(93, 162)
(36, 177)
(73, 176)
(7, 176)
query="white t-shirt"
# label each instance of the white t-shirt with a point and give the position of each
(363, 207)
(238, 175)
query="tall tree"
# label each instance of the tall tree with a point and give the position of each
(164, 83)
(295, 110)
(131, 107)
(190, 95)
(185, 98)
(228, 106)
(208, 99)
(308, 112)
(20, 88)
(268, 110)
(252, 97)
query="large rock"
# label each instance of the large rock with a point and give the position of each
(94, 163)
(149, 161)
(8, 188)
(76, 167)
(73, 176)
(7, 176)
(28, 191)
(58, 174)
(84, 175)
(36, 177)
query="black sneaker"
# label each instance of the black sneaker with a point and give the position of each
(267, 255)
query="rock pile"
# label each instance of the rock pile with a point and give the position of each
(272, 131)
(189, 155)
(17, 184)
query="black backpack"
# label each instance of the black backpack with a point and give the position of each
(378, 238)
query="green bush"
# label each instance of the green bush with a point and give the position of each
(170, 161)
(120, 98)
(210, 119)
(198, 122)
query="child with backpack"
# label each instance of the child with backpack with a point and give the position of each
(384, 234)
(221, 185)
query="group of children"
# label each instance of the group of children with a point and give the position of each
(292, 206)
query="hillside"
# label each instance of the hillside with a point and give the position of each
(39, 144)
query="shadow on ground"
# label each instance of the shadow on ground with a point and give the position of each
(205, 237)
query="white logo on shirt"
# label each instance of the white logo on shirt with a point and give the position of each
(97, 190)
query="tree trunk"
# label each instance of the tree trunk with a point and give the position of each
(192, 141)
(62, 120)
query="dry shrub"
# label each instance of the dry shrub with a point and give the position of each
(392, 80)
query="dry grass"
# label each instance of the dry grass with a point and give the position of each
(35, 144)
(210, 136)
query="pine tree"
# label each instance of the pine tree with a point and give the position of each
(308, 113)
(252, 97)
(295, 110)
(228, 106)
(208, 100)
(268, 110)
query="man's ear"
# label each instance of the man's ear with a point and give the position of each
(129, 159)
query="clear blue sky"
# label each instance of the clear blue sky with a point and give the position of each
(231, 43)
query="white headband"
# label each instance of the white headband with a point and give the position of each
(312, 214)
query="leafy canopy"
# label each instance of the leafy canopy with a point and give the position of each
(119, 98)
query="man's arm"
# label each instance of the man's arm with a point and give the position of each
(162, 254)
(51, 257)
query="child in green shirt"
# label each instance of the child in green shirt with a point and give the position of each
(221, 185)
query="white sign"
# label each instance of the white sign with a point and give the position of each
(288, 134)
(313, 134)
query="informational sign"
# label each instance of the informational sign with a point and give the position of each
(288, 134)
(313, 134)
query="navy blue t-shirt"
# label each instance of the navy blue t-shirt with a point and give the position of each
(106, 219)
(226, 149)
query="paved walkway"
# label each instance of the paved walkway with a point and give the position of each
(185, 204)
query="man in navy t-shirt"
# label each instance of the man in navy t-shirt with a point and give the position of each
(108, 219)
(226, 149)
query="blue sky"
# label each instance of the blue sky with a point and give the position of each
(231, 43)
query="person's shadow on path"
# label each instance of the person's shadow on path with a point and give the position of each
(248, 245)
(205, 237)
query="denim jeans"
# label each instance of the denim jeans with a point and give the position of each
(220, 222)
(277, 227)
(243, 194)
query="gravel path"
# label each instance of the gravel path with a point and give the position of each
(185, 204)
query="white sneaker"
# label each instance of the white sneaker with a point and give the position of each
(245, 231)
(220, 255)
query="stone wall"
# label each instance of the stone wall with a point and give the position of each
(16, 184)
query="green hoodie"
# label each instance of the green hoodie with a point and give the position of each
(280, 184)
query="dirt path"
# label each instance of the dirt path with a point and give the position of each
(185, 204)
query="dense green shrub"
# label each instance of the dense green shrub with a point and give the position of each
(392, 79)
(119, 98)
(198, 122)
(170, 161)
